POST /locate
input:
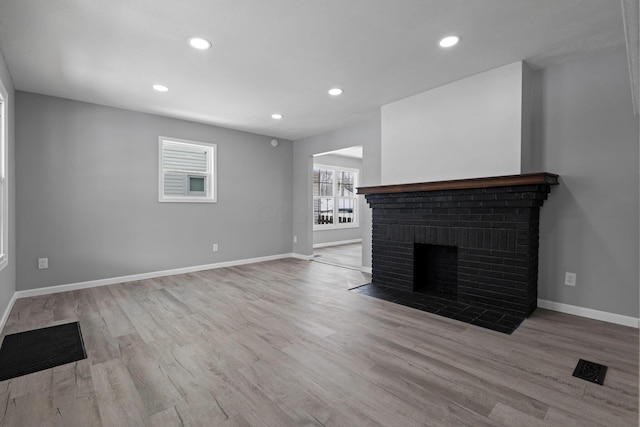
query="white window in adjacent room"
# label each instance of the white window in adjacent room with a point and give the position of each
(4, 189)
(334, 197)
(187, 171)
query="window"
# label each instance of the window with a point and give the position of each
(187, 171)
(4, 189)
(334, 197)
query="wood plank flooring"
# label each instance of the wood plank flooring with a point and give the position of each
(348, 255)
(284, 343)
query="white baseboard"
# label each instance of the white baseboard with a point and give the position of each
(5, 316)
(341, 242)
(143, 276)
(303, 257)
(366, 270)
(590, 313)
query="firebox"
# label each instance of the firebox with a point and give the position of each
(435, 270)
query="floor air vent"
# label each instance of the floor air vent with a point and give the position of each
(589, 371)
(32, 351)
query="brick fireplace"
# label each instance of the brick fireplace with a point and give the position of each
(474, 241)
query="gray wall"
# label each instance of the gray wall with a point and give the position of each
(8, 275)
(342, 234)
(526, 146)
(585, 131)
(366, 134)
(87, 190)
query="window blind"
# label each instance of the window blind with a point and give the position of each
(184, 159)
(178, 162)
(186, 171)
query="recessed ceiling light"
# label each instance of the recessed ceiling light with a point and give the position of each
(335, 91)
(276, 116)
(161, 88)
(199, 43)
(449, 41)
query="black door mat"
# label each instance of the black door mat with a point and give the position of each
(489, 319)
(32, 351)
(590, 371)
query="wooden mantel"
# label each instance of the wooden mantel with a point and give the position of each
(541, 178)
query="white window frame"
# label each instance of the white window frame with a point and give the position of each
(356, 216)
(4, 184)
(211, 183)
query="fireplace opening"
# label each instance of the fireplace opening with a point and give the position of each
(436, 270)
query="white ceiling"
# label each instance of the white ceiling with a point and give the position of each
(283, 55)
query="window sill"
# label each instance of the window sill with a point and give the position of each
(335, 226)
(188, 200)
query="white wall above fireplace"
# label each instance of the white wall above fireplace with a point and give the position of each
(475, 127)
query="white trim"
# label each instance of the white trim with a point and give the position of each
(4, 176)
(5, 316)
(630, 12)
(143, 276)
(366, 270)
(590, 313)
(341, 242)
(302, 257)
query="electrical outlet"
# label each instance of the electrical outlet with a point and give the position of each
(295, 239)
(215, 247)
(570, 279)
(43, 263)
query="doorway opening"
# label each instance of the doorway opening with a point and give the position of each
(337, 236)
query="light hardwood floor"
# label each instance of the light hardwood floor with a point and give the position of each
(349, 255)
(285, 343)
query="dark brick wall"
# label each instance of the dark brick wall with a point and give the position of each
(495, 230)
